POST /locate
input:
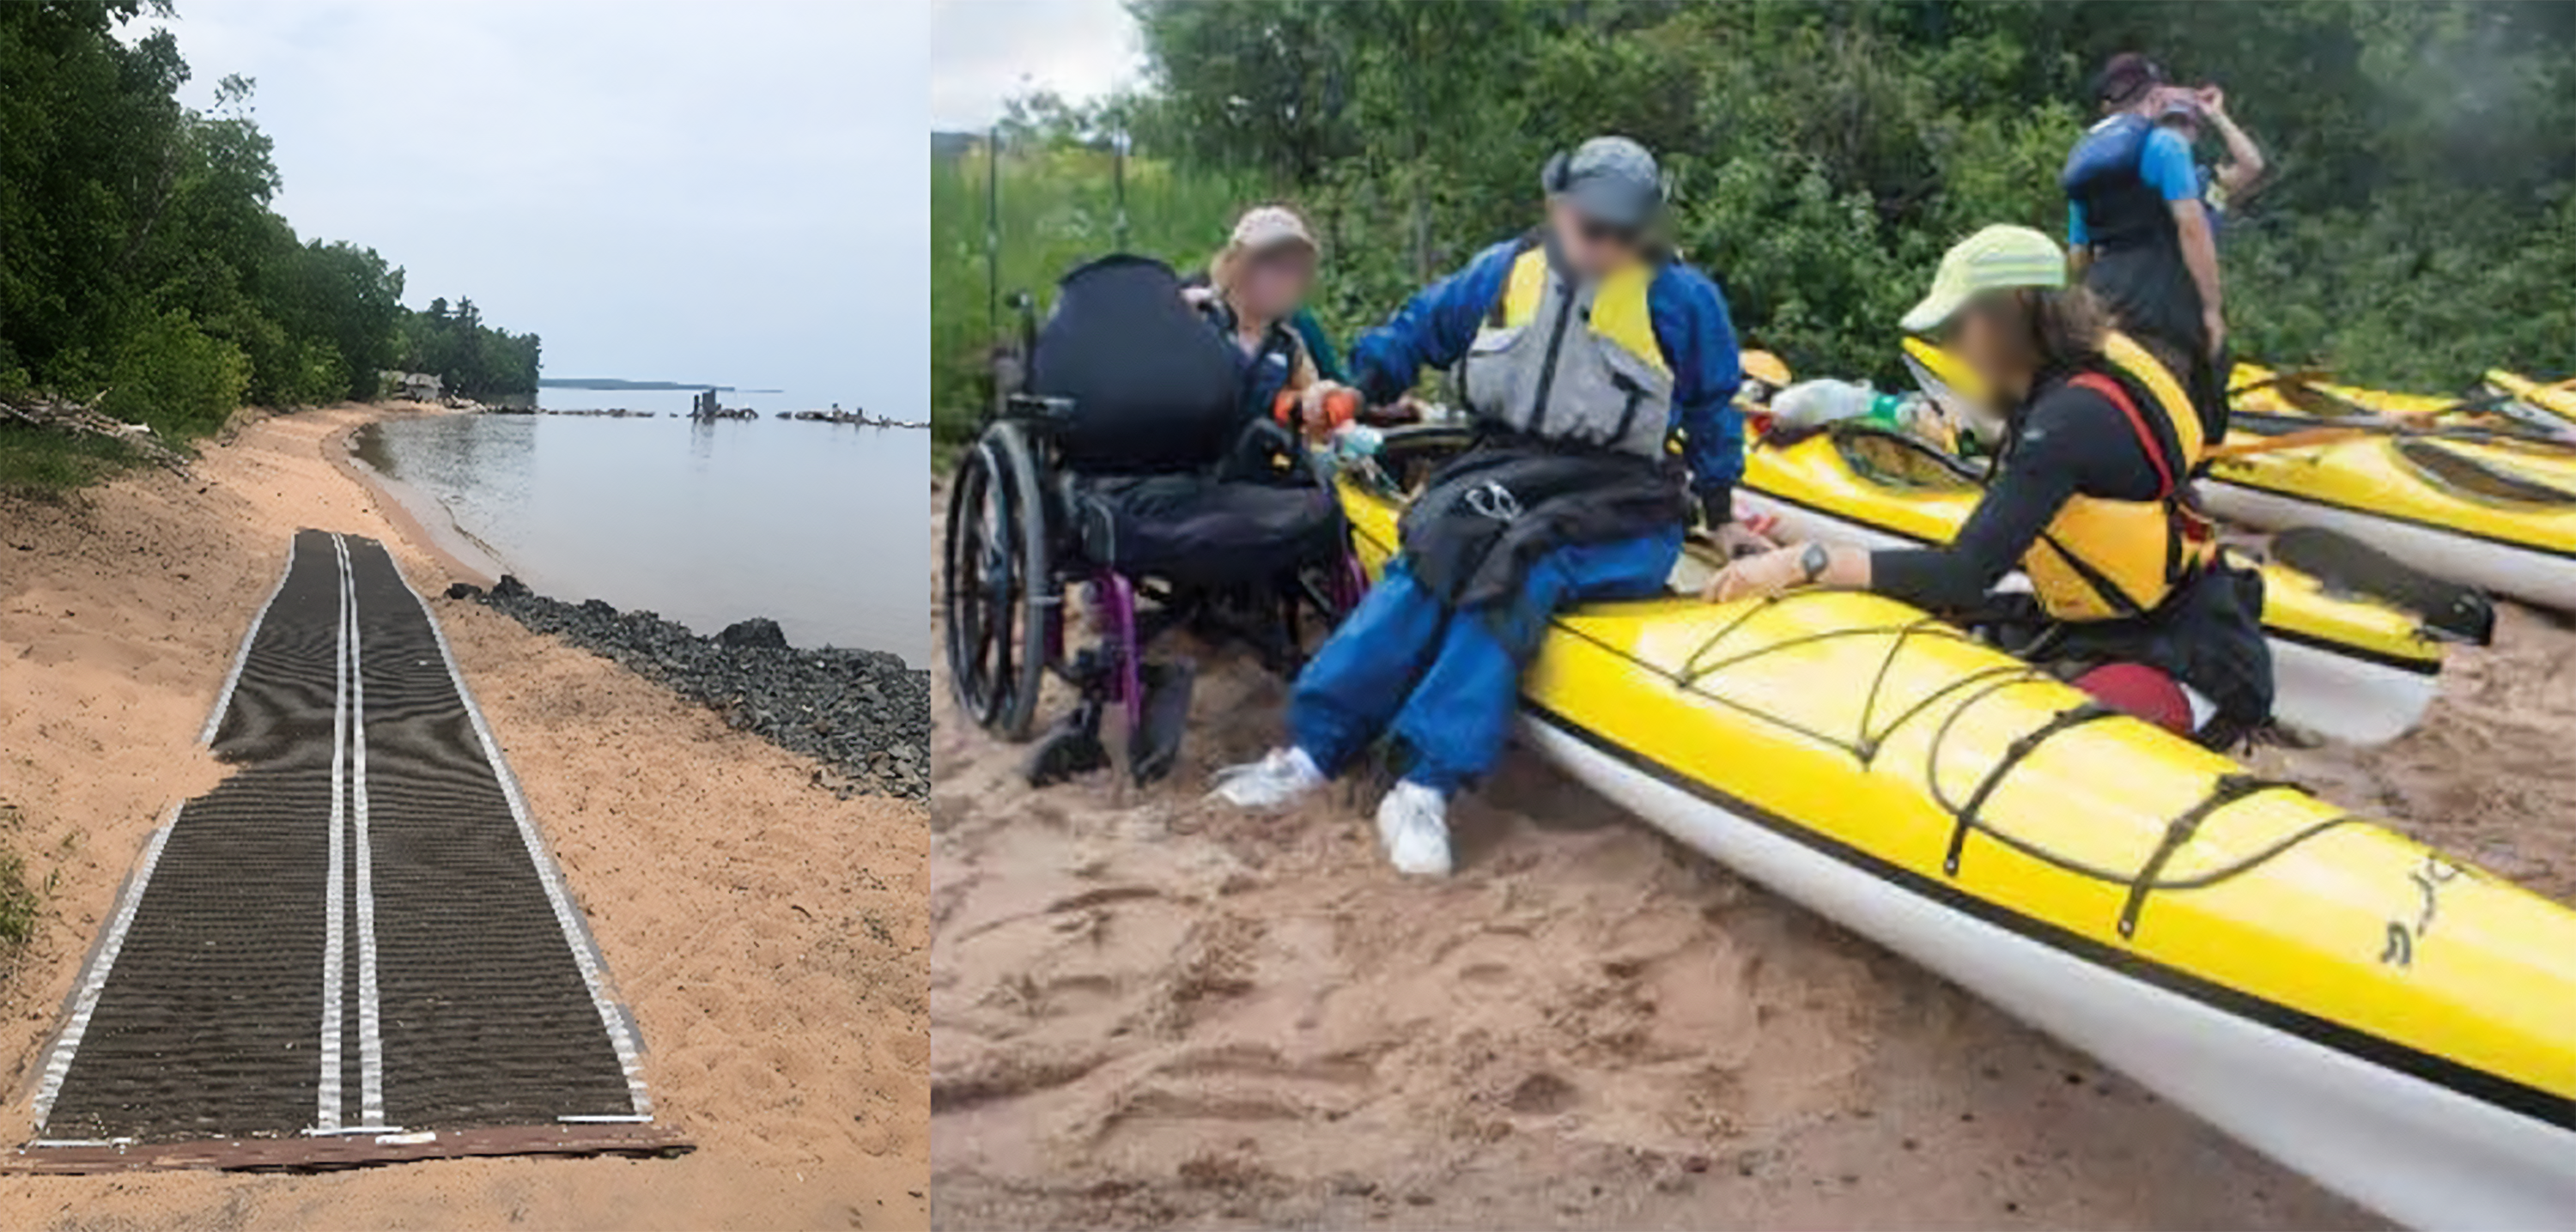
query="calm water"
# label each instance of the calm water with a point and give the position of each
(676, 401)
(821, 527)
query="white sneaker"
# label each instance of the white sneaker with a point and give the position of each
(1271, 782)
(1413, 824)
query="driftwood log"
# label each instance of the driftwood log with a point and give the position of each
(85, 418)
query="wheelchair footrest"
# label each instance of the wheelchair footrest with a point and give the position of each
(1069, 748)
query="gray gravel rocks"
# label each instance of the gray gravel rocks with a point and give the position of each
(862, 713)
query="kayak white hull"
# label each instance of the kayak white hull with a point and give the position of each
(2316, 690)
(2528, 574)
(2416, 1152)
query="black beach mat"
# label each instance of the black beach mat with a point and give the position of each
(354, 949)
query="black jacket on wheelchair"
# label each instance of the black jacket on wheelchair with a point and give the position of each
(1164, 474)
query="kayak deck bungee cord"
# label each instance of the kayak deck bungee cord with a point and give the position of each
(1964, 693)
(2346, 668)
(2391, 1022)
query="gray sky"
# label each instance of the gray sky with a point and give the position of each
(987, 51)
(725, 192)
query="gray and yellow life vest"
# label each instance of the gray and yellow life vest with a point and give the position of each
(1574, 364)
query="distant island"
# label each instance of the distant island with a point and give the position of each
(610, 382)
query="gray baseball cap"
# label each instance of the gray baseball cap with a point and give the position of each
(1611, 180)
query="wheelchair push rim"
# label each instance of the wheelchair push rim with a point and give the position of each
(998, 589)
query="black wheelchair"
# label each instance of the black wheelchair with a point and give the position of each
(1127, 470)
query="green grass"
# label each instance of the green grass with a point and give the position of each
(19, 902)
(1057, 210)
(18, 905)
(47, 462)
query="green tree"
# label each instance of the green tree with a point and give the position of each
(140, 252)
(1823, 152)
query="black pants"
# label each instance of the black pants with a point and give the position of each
(2207, 385)
(2209, 635)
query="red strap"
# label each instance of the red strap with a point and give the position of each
(2119, 397)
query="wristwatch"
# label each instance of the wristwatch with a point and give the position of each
(1812, 562)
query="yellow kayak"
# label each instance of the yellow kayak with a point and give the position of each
(2497, 516)
(2549, 407)
(2258, 388)
(2392, 1022)
(2344, 668)
(2517, 409)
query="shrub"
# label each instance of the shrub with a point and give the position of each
(170, 374)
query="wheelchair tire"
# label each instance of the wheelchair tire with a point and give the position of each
(998, 592)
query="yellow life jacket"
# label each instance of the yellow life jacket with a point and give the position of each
(2104, 559)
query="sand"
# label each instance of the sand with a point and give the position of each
(1147, 1009)
(769, 938)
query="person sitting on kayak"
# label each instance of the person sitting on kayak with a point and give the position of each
(1254, 295)
(1580, 349)
(2141, 235)
(2088, 499)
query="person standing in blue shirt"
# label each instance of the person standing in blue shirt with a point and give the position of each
(1580, 350)
(2140, 234)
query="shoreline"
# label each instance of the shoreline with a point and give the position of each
(464, 557)
(828, 704)
(767, 936)
(429, 522)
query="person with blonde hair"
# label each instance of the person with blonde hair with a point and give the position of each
(1254, 296)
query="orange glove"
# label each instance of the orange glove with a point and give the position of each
(1338, 407)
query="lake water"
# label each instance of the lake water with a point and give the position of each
(676, 401)
(822, 527)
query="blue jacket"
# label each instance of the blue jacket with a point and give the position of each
(1434, 329)
(2122, 182)
(1260, 375)
(2117, 149)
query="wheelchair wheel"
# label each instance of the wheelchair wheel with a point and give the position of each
(999, 592)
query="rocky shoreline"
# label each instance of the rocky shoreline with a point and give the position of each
(862, 713)
(859, 419)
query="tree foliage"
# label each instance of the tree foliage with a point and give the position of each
(474, 359)
(1822, 153)
(1059, 207)
(140, 254)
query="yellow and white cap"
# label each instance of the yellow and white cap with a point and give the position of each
(1999, 258)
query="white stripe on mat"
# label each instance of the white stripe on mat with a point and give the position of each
(584, 955)
(241, 657)
(103, 960)
(326, 1115)
(94, 981)
(371, 1040)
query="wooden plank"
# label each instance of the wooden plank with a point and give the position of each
(347, 1150)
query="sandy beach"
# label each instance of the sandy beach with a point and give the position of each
(1150, 1010)
(768, 936)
